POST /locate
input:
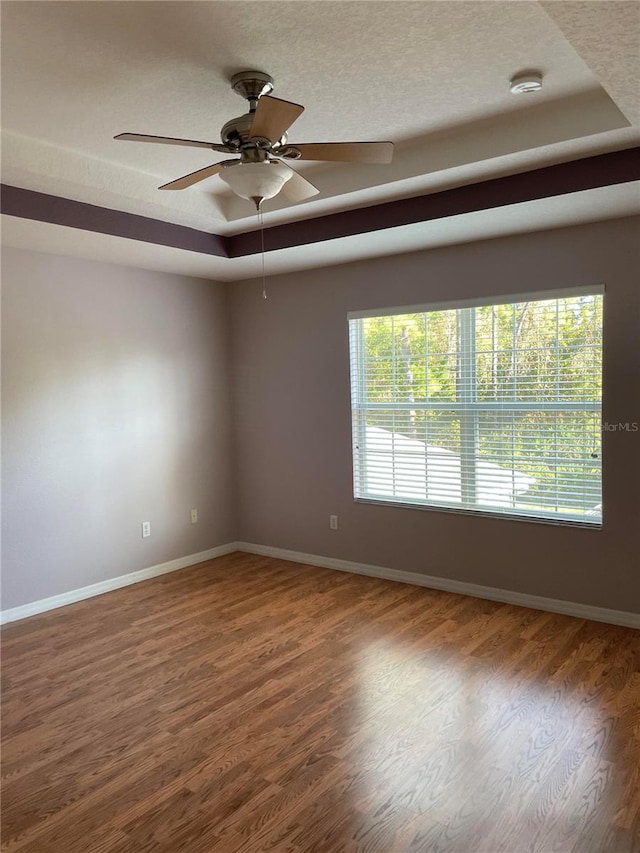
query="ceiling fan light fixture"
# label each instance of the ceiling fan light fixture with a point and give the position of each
(528, 81)
(256, 180)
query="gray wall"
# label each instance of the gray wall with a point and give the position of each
(292, 405)
(117, 389)
(115, 403)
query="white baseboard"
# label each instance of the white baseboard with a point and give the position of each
(44, 604)
(537, 602)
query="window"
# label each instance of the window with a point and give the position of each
(476, 406)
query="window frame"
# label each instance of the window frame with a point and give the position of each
(358, 423)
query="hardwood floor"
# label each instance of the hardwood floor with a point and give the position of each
(249, 704)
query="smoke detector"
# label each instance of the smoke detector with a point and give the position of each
(528, 81)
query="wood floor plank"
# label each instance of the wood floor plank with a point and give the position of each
(250, 704)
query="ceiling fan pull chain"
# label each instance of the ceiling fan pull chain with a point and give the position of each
(264, 280)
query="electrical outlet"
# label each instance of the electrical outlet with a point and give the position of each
(194, 516)
(333, 522)
(146, 529)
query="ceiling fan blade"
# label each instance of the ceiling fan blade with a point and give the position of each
(169, 140)
(297, 188)
(349, 152)
(273, 117)
(193, 178)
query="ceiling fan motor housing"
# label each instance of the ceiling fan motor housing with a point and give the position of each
(236, 133)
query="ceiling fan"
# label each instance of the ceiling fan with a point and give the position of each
(259, 137)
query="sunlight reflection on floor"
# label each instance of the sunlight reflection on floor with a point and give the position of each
(479, 748)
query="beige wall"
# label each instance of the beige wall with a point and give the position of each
(115, 402)
(293, 439)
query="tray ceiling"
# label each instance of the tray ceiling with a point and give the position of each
(431, 76)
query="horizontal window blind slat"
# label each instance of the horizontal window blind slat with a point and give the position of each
(512, 406)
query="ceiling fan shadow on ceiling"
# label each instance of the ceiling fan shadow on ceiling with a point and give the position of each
(259, 137)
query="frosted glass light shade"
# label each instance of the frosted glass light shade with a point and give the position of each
(256, 180)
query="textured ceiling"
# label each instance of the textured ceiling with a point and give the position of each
(431, 76)
(74, 72)
(607, 37)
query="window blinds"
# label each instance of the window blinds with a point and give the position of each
(493, 407)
